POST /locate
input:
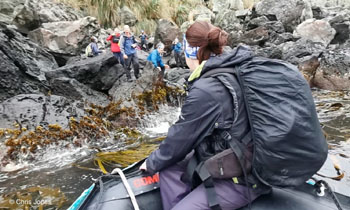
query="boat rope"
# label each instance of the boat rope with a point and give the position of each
(127, 187)
(321, 184)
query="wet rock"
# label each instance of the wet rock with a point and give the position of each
(123, 91)
(72, 89)
(316, 31)
(66, 37)
(127, 17)
(308, 68)
(177, 75)
(342, 32)
(318, 12)
(201, 13)
(29, 15)
(98, 73)
(334, 70)
(166, 33)
(23, 64)
(30, 110)
(290, 12)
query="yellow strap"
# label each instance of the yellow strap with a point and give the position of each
(235, 180)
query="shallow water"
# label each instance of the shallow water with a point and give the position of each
(67, 172)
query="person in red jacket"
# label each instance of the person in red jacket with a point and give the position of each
(114, 39)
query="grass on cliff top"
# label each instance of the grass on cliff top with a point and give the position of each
(146, 11)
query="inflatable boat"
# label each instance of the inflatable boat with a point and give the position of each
(130, 189)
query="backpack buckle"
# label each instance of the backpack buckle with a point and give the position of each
(226, 135)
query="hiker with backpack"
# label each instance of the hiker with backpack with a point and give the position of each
(237, 103)
(143, 37)
(177, 47)
(114, 39)
(92, 49)
(128, 46)
(156, 58)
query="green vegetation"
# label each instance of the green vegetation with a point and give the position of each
(147, 12)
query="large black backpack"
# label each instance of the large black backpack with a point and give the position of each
(115, 39)
(289, 145)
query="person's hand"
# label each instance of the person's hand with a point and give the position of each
(125, 56)
(167, 66)
(160, 69)
(143, 167)
(133, 45)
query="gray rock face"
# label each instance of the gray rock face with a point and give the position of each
(177, 75)
(29, 15)
(72, 89)
(98, 73)
(30, 110)
(142, 55)
(289, 12)
(127, 17)
(23, 64)
(257, 36)
(66, 37)
(316, 31)
(166, 32)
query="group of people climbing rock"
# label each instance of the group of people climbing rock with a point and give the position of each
(124, 48)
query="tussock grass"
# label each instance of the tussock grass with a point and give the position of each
(147, 12)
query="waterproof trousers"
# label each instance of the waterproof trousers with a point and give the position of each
(135, 63)
(177, 195)
(119, 57)
(178, 60)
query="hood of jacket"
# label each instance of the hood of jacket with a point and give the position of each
(228, 59)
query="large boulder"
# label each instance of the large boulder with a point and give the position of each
(228, 21)
(316, 31)
(98, 73)
(7, 8)
(330, 3)
(142, 56)
(290, 12)
(201, 12)
(29, 15)
(72, 89)
(166, 33)
(301, 50)
(127, 17)
(23, 64)
(221, 5)
(66, 37)
(334, 70)
(31, 110)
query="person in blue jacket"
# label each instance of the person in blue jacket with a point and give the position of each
(177, 47)
(156, 59)
(128, 46)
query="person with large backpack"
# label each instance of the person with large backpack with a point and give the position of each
(128, 46)
(247, 124)
(115, 48)
(92, 49)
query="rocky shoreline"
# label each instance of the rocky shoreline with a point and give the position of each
(45, 80)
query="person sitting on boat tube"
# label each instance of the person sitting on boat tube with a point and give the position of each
(208, 108)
